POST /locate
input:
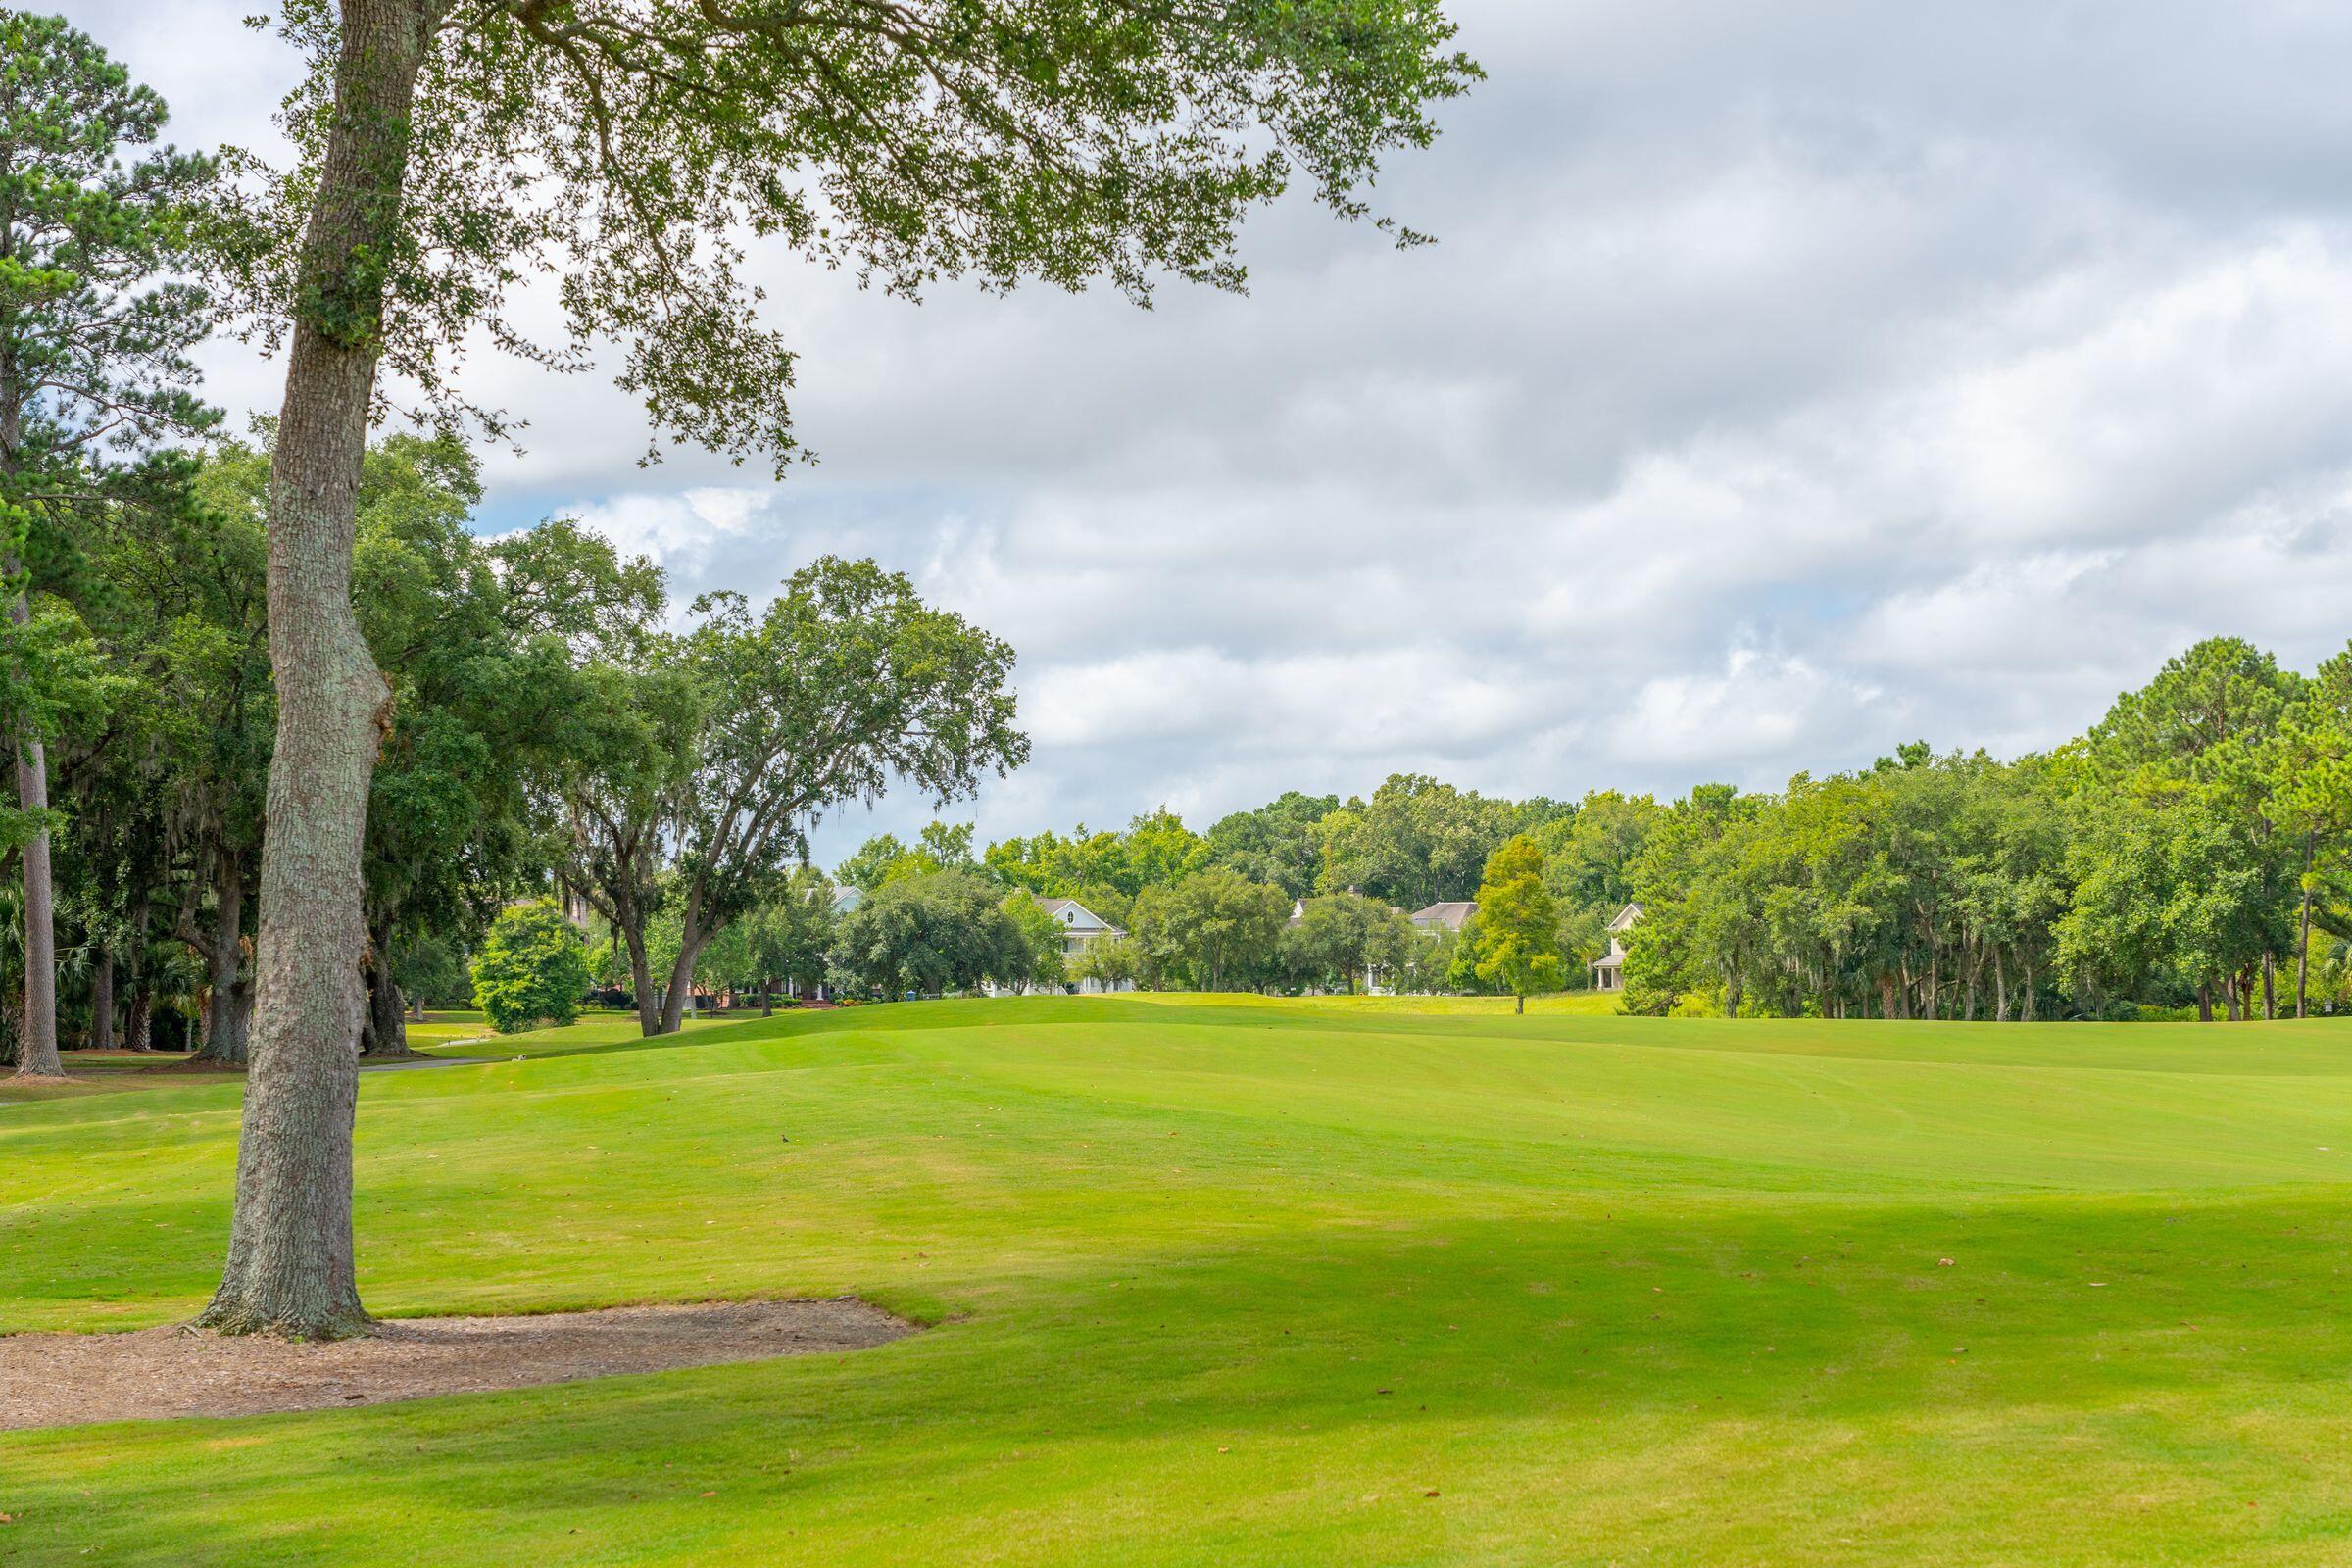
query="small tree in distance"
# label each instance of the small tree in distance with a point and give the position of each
(1113, 965)
(532, 970)
(1517, 934)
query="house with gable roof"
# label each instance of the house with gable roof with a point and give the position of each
(1608, 970)
(1081, 929)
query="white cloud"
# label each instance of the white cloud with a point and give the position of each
(1790, 381)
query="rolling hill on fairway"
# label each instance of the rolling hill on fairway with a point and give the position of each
(1229, 1281)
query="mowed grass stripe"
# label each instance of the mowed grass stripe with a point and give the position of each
(1241, 1283)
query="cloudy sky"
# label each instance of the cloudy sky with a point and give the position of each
(1790, 381)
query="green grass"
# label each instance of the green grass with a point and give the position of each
(1224, 1280)
(443, 1028)
(468, 1033)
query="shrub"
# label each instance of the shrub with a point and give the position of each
(532, 970)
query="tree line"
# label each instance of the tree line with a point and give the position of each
(2191, 852)
(2188, 852)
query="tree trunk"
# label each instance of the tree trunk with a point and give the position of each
(2026, 1012)
(102, 1000)
(1521, 1009)
(139, 1028)
(388, 1031)
(290, 1266)
(767, 998)
(641, 982)
(2000, 989)
(2269, 987)
(224, 1019)
(2303, 954)
(389, 1034)
(36, 1034)
(2205, 1002)
(138, 1034)
(691, 943)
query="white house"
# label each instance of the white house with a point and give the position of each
(1608, 970)
(1082, 928)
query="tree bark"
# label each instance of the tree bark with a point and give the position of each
(2205, 1003)
(2269, 987)
(641, 982)
(388, 1031)
(138, 1032)
(290, 1266)
(389, 1034)
(2000, 989)
(681, 977)
(36, 1034)
(224, 1019)
(102, 1000)
(2303, 954)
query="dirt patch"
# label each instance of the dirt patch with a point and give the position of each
(53, 1380)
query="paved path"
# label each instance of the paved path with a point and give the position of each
(428, 1061)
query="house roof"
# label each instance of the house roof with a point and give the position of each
(1449, 914)
(1626, 917)
(1077, 917)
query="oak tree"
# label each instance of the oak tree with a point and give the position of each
(451, 149)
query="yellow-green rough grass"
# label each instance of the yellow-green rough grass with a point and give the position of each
(468, 1033)
(1233, 1282)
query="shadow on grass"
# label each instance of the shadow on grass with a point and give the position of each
(2184, 1338)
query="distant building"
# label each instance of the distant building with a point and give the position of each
(1082, 928)
(1450, 915)
(1608, 970)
